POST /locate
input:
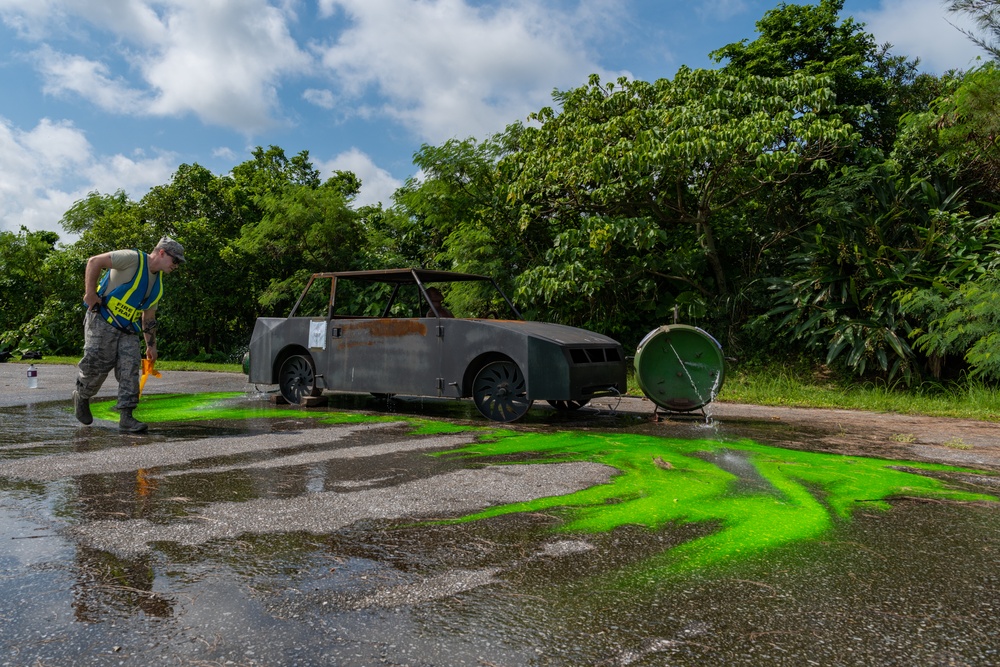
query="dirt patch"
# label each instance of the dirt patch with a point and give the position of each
(964, 442)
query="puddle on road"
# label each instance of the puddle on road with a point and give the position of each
(706, 548)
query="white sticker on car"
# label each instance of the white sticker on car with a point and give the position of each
(317, 335)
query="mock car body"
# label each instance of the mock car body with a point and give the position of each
(409, 347)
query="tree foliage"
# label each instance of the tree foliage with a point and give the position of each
(24, 284)
(968, 125)
(633, 181)
(814, 40)
(878, 232)
(986, 14)
(459, 216)
(303, 230)
(963, 321)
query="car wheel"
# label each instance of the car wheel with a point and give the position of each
(297, 379)
(500, 392)
(568, 406)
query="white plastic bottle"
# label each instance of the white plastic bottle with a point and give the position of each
(32, 377)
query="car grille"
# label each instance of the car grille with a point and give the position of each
(594, 355)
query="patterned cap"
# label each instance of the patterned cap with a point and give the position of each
(173, 248)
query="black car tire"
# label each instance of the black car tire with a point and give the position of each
(500, 391)
(297, 378)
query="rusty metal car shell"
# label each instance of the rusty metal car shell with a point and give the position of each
(381, 347)
(433, 356)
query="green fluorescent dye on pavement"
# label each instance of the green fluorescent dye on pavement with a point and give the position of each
(165, 408)
(760, 497)
(775, 496)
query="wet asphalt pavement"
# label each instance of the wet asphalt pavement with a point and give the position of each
(282, 539)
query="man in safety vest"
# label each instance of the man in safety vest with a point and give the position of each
(121, 304)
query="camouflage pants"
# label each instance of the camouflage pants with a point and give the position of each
(106, 348)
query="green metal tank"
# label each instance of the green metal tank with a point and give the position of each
(680, 367)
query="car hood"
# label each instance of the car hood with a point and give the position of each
(556, 333)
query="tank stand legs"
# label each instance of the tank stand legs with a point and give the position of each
(659, 416)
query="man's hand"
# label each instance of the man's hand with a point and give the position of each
(151, 352)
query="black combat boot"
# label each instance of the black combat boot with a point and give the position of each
(130, 424)
(81, 407)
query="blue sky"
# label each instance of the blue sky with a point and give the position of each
(108, 95)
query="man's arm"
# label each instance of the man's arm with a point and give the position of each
(149, 332)
(92, 275)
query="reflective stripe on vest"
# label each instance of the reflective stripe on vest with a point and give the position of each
(123, 306)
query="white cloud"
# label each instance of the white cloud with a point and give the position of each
(225, 153)
(446, 69)
(31, 18)
(321, 98)
(377, 184)
(31, 161)
(133, 175)
(221, 60)
(87, 78)
(923, 29)
(55, 148)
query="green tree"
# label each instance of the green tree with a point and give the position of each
(107, 222)
(643, 178)
(346, 183)
(986, 14)
(956, 316)
(202, 211)
(194, 192)
(269, 171)
(304, 230)
(968, 126)
(956, 136)
(56, 328)
(22, 279)
(814, 40)
(104, 222)
(458, 216)
(213, 302)
(961, 320)
(878, 232)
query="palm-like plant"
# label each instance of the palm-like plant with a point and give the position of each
(883, 232)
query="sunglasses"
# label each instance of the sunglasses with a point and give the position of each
(173, 258)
